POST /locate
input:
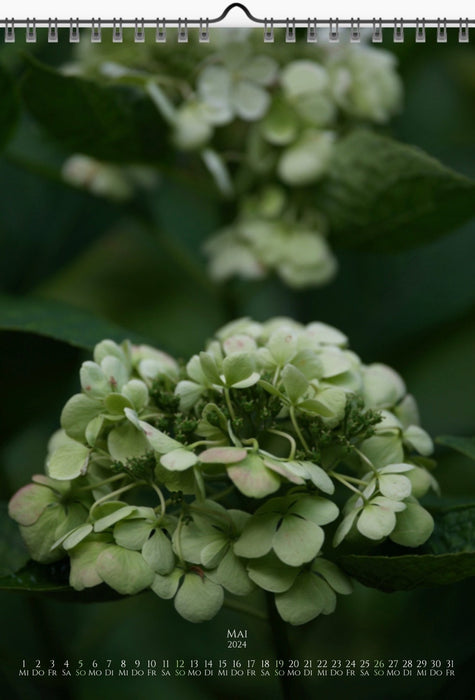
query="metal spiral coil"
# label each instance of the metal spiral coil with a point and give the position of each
(324, 29)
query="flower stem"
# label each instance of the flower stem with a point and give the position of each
(293, 444)
(366, 460)
(292, 687)
(297, 429)
(116, 493)
(342, 480)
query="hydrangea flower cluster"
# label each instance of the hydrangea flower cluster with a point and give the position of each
(262, 120)
(244, 469)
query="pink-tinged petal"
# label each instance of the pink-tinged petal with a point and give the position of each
(29, 502)
(223, 455)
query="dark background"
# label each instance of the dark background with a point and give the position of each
(412, 310)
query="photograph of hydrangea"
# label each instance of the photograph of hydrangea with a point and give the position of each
(238, 336)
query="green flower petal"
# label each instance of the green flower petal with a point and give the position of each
(77, 536)
(376, 521)
(213, 552)
(198, 599)
(223, 455)
(280, 125)
(257, 536)
(417, 439)
(188, 393)
(395, 486)
(137, 393)
(295, 383)
(271, 574)
(77, 413)
(383, 450)
(344, 527)
(297, 540)
(124, 570)
(116, 372)
(157, 552)
(318, 477)
(306, 599)
(116, 403)
(94, 382)
(238, 367)
(413, 526)
(69, 461)
(250, 102)
(157, 440)
(125, 442)
(214, 85)
(113, 518)
(132, 534)
(303, 77)
(178, 460)
(109, 347)
(307, 160)
(29, 502)
(320, 511)
(253, 478)
(382, 387)
(333, 575)
(232, 575)
(166, 586)
(83, 573)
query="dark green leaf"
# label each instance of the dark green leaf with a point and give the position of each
(454, 531)
(386, 196)
(110, 122)
(9, 106)
(403, 573)
(451, 557)
(59, 321)
(52, 580)
(13, 553)
(464, 445)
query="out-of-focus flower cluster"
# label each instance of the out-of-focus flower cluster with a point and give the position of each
(245, 468)
(261, 118)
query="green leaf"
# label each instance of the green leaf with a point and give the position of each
(52, 580)
(454, 530)
(9, 106)
(13, 553)
(375, 207)
(59, 321)
(413, 526)
(403, 573)
(464, 445)
(109, 122)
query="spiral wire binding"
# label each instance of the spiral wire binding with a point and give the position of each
(332, 25)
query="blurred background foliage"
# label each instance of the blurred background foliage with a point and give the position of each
(414, 310)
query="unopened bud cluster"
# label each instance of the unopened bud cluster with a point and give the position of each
(263, 120)
(246, 468)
